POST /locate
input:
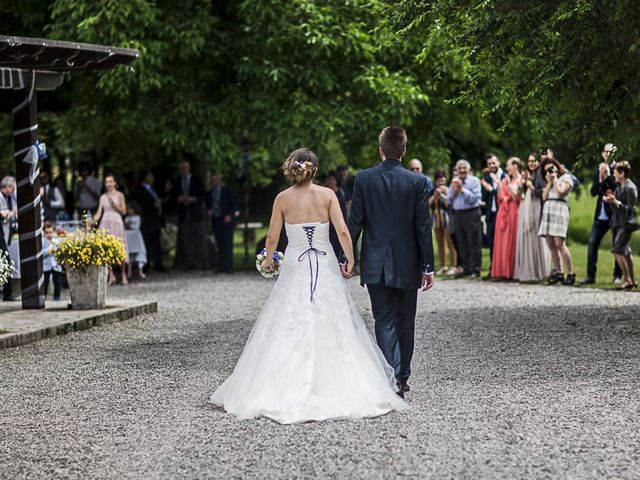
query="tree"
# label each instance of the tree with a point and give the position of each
(569, 68)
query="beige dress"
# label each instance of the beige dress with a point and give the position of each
(532, 253)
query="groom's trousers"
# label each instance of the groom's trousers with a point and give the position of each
(394, 312)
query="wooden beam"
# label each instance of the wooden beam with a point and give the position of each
(25, 131)
(39, 53)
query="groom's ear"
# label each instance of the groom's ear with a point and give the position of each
(381, 153)
(404, 152)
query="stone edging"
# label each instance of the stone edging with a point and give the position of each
(94, 318)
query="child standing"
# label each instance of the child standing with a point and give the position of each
(135, 243)
(51, 267)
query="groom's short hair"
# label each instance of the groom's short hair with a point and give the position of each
(393, 141)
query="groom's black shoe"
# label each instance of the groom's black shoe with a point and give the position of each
(403, 388)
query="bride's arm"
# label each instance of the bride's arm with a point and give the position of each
(337, 220)
(273, 235)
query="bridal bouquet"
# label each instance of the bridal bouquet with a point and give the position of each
(6, 268)
(277, 261)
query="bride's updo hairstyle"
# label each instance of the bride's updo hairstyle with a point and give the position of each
(301, 166)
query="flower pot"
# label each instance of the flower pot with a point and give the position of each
(88, 288)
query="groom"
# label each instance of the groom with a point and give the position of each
(390, 204)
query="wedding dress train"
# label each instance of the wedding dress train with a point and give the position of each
(309, 355)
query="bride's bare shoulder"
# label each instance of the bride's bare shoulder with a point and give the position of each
(324, 191)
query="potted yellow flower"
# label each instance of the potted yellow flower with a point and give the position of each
(86, 257)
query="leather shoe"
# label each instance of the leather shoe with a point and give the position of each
(587, 281)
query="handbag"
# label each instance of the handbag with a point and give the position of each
(632, 224)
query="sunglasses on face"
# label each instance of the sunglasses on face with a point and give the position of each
(532, 161)
(550, 170)
(415, 169)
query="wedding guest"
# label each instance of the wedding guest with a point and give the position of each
(52, 271)
(188, 191)
(8, 215)
(221, 207)
(86, 190)
(111, 207)
(152, 219)
(554, 221)
(415, 166)
(491, 182)
(69, 207)
(51, 198)
(532, 254)
(623, 221)
(506, 225)
(331, 181)
(603, 181)
(136, 249)
(440, 225)
(451, 228)
(465, 195)
(345, 182)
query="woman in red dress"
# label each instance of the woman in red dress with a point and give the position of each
(509, 198)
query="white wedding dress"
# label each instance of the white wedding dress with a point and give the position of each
(309, 355)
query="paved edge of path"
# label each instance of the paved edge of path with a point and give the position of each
(19, 326)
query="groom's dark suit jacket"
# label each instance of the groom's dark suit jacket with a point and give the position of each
(390, 204)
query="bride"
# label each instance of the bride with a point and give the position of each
(309, 355)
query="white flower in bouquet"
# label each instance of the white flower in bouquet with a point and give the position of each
(6, 267)
(277, 261)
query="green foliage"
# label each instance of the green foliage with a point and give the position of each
(462, 77)
(569, 67)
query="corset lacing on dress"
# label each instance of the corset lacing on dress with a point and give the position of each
(313, 280)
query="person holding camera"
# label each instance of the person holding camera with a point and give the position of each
(554, 221)
(603, 181)
(623, 221)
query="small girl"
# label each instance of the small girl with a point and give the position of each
(135, 243)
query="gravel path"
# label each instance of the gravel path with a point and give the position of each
(509, 382)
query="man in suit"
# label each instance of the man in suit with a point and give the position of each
(602, 181)
(390, 208)
(52, 199)
(221, 207)
(189, 193)
(490, 188)
(152, 219)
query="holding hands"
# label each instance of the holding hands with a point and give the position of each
(346, 269)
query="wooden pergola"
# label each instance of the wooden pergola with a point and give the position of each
(27, 66)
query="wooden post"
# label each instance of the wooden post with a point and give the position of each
(29, 217)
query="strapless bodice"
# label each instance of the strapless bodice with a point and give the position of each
(305, 235)
(309, 249)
